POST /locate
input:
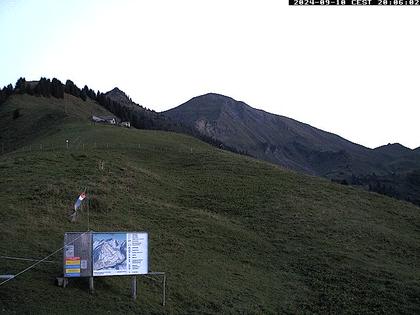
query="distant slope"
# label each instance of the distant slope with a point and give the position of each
(290, 143)
(270, 137)
(233, 234)
(140, 117)
(121, 105)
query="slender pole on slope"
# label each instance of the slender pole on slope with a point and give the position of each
(88, 206)
(164, 290)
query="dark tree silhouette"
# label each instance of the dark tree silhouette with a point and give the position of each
(2, 96)
(57, 88)
(8, 90)
(72, 89)
(5, 93)
(43, 88)
(20, 86)
(83, 95)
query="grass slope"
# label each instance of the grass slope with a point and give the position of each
(234, 235)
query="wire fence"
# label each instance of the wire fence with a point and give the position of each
(38, 261)
(80, 147)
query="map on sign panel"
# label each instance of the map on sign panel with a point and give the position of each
(110, 253)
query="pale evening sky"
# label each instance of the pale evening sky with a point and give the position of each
(353, 71)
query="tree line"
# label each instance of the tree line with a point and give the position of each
(53, 88)
(5, 92)
(399, 186)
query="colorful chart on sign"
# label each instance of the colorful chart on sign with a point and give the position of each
(119, 253)
(72, 267)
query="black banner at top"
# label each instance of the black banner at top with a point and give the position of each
(355, 2)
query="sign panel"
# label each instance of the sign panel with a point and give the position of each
(88, 254)
(119, 254)
(77, 254)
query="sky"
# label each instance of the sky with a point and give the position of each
(353, 71)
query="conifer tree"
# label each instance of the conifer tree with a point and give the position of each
(57, 88)
(72, 89)
(20, 86)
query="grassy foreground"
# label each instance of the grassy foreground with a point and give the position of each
(233, 234)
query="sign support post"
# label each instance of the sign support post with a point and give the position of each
(134, 287)
(91, 285)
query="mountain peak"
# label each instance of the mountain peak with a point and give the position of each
(217, 99)
(395, 145)
(116, 90)
(213, 95)
(207, 107)
(117, 95)
(393, 148)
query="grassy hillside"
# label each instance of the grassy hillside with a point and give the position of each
(234, 235)
(25, 118)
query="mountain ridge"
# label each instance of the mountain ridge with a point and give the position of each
(210, 114)
(299, 146)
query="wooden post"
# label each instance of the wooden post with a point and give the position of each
(91, 286)
(134, 287)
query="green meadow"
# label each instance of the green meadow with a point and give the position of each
(233, 234)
